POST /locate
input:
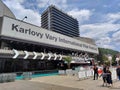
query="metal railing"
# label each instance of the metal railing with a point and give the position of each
(7, 77)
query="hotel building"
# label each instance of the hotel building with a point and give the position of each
(56, 20)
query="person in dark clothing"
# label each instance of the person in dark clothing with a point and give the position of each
(104, 75)
(109, 77)
(95, 68)
(104, 68)
(118, 72)
(61, 66)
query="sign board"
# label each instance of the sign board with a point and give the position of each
(20, 30)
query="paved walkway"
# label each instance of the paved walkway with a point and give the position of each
(57, 83)
(73, 81)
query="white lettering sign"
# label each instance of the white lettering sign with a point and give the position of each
(19, 30)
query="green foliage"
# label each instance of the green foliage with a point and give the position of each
(108, 51)
(105, 59)
(102, 57)
(113, 58)
(68, 59)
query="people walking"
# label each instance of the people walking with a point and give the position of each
(95, 68)
(104, 76)
(109, 77)
(118, 72)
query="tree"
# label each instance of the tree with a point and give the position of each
(68, 59)
(102, 52)
(105, 58)
(113, 59)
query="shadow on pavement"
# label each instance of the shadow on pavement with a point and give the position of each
(115, 88)
(109, 87)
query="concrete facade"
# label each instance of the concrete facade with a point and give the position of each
(85, 39)
(56, 20)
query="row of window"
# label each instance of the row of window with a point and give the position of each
(74, 22)
(65, 28)
(64, 31)
(62, 14)
(66, 25)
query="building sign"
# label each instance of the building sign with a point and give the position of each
(24, 31)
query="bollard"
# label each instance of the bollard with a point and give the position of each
(7, 77)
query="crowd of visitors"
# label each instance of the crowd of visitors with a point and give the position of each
(106, 74)
(103, 72)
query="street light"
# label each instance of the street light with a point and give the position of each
(24, 18)
(117, 60)
(98, 62)
(110, 59)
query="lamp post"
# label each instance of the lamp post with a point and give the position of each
(117, 60)
(110, 59)
(98, 62)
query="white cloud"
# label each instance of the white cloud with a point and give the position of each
(20, 12)
(17, 1)
(113, 17)
(59, 3)
(33, 15)
(100, 32)
(116, 37)
(105, 42)
(81, 15)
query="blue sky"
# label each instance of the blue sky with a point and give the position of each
(98, 19)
